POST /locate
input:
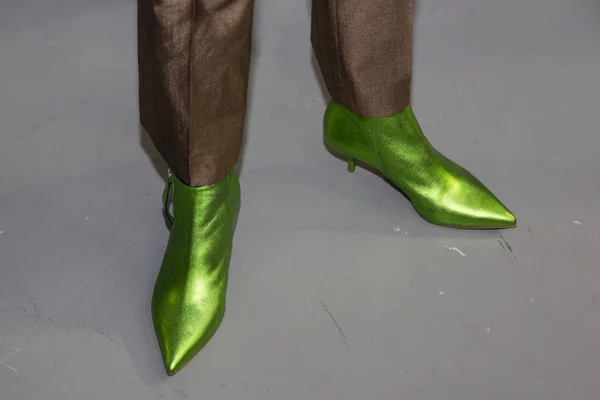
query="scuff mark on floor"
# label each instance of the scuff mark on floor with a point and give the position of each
(340, 331)
(507, 247)
(502, 244)
(38, 126)
(443, 294)
(456, 249)
(506, 244)
(3, 361)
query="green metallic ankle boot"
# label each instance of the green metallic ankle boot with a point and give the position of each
(441, 191)
(189, 296)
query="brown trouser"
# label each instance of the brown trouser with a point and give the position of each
(194, 57)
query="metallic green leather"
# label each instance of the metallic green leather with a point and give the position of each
(188, 303)
(441, 191)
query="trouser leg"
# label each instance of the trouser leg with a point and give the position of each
(194, 58)
(364, 48)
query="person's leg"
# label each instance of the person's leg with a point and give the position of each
(194, 57)
(364, 48)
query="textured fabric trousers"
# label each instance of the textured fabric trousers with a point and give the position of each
(194, 58)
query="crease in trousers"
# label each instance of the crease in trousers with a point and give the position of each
(194, 61)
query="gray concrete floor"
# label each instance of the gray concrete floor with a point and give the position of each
(509, 88)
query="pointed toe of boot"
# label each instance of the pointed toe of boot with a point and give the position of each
(467, 204)
(183, 333)
(495, 216)
(501, 217)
